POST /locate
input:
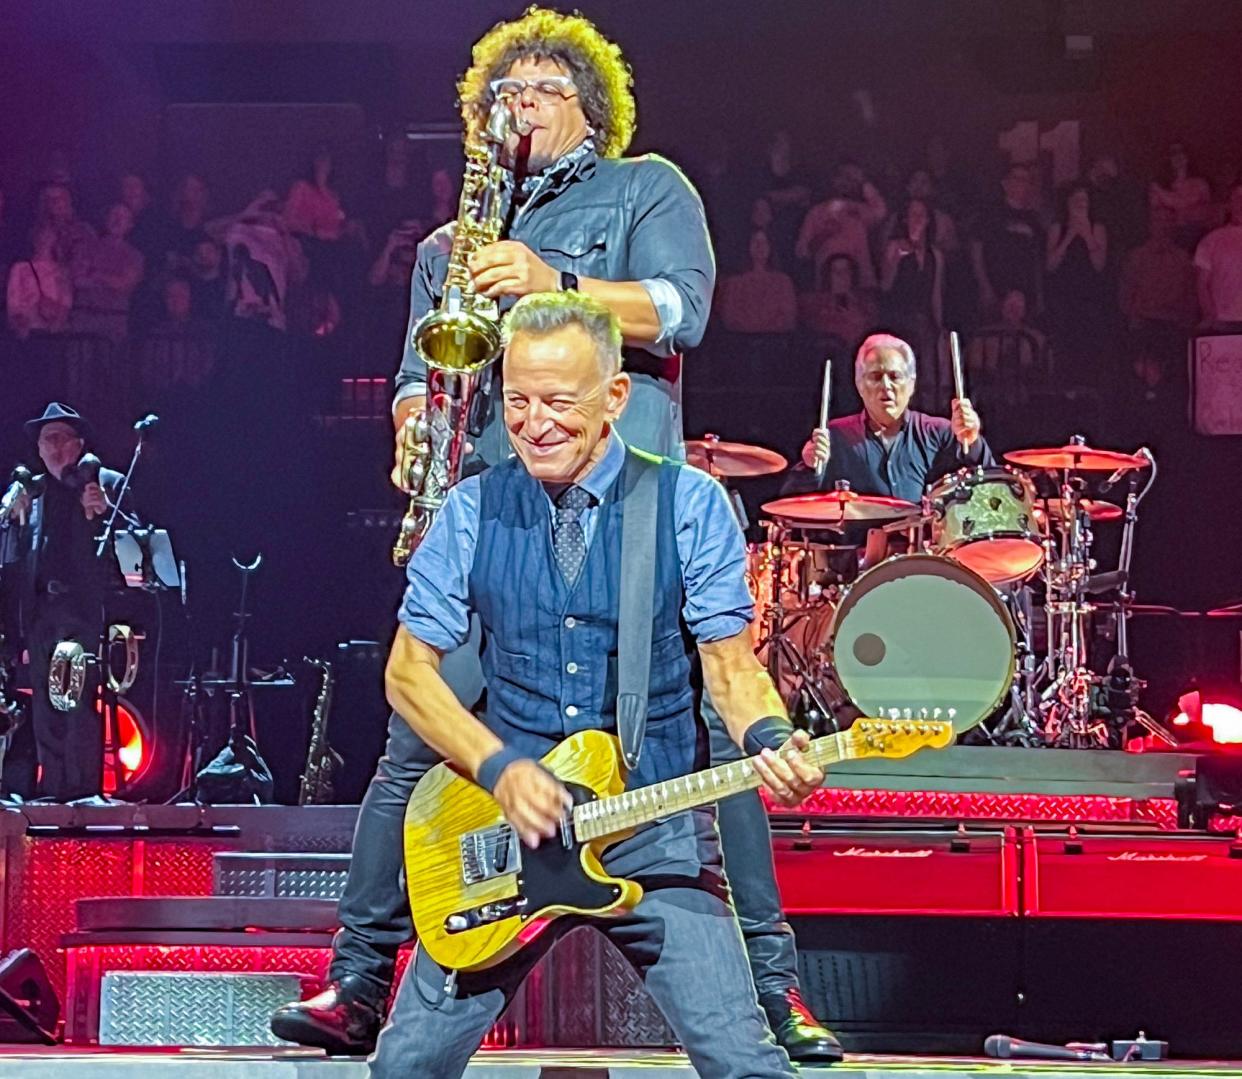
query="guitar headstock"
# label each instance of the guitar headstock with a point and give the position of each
(900, 733)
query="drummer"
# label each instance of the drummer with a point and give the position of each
(890, 449)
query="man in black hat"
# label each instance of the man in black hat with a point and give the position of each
(47, 537)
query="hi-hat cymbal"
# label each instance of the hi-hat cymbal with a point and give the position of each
(828, 508)
(1076, 459)
(733, 459)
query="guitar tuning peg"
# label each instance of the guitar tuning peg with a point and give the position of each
(922, 713)
(894, 713)
(907, 713)
(937, 713)
(952, 714)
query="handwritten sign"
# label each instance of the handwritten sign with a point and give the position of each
(1216, 381)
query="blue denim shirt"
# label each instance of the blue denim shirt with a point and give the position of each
(630, 219)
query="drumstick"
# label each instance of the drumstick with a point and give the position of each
(825, 400)
(959, 385)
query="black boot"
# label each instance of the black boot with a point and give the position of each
(799, 1033)
(344, 1019)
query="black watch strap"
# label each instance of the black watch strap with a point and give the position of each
(568, 281)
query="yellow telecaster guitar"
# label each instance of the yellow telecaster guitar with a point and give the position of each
(478, 895)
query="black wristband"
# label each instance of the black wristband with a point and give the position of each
(770, 732)
(489, 771)
(568, 281)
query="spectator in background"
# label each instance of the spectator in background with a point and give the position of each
(187, 227)
(953, 193)
(110, 272)
(391, 201)
(145, 235)
(388, 305)
(1180, 187)
(39, 293)
(1007, 357)
(443, 205)
(919, 185)
(841, 309)
(313, 207)
(912, 283)
(785, 186)
(207, 280)
(841, 223)
(1218, 258)
(179, 351)
(1117, 203)
(74, 237)
(760, 300)
(1077, 293)
(1007, 249)
(1160, 303)
(264, 261)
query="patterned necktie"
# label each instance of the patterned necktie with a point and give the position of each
(568, 535)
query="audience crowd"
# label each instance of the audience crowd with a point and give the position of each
(1092, 285)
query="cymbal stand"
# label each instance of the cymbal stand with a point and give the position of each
(1065, 702)
(710, 442)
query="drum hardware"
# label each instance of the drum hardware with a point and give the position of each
(724, 461)
(1073, 705)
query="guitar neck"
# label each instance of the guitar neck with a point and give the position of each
(633, 808)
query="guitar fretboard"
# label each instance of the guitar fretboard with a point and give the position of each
(630, 809)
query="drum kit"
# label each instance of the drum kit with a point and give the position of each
(985, 602)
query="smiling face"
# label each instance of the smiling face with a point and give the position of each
(555, 121)
(558, 403)
(885, 385)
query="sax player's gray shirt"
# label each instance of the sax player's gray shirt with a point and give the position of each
(629, 219)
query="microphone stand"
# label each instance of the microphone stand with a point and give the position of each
(116, 506)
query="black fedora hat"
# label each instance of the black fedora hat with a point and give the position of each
(58, 413)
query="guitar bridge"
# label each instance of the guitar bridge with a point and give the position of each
(492, 852)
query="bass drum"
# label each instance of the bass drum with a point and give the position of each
(923, 632)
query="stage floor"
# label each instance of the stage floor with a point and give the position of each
(61, 1062)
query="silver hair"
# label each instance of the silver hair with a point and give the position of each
(543, 313)
(885, 340)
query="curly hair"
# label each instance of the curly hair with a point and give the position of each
(599, 71)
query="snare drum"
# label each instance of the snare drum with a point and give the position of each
(985, 519)
(923, 632)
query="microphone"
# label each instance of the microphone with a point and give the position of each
(147, 423)
(1115, 478)
(1006, 1048)
(19, 481)
(84, 472)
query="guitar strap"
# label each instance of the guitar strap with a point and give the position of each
(638, 559)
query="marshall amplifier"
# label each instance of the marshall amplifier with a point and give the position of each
(908, 937)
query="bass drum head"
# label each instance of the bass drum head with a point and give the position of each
(924, 632)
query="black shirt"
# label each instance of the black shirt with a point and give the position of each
(1013, 250)
(923, 452)
(68, 554)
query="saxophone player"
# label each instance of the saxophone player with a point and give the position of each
(630, 233)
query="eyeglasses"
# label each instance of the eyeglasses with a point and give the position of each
(546, 88)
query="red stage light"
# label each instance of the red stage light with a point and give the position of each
(133, 749)
(1223, 721)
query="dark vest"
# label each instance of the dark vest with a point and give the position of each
(550, 649)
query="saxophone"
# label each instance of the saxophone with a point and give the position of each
(321, 759)
(457, 340)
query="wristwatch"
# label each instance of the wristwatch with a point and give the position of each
(568, 281)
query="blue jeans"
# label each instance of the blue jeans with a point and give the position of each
(683, 941)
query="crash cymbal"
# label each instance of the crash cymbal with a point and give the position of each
(1096, 510)
(733, 459)
(1076, 459)
(827, 508)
